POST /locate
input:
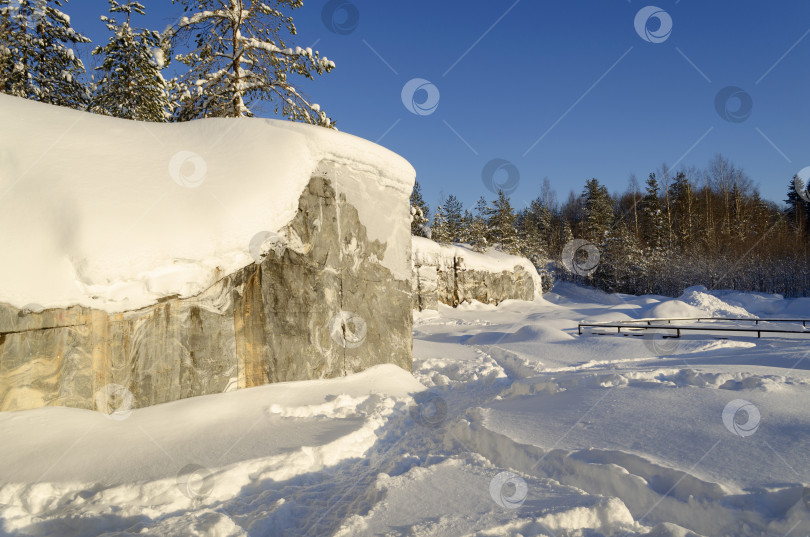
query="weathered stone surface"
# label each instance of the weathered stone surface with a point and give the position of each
(446, 277)
(324, 307)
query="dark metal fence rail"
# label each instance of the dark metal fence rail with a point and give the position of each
(658, 324)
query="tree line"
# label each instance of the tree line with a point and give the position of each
(231, 56)
(692, 226)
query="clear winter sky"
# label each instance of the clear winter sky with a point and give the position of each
(564, 89)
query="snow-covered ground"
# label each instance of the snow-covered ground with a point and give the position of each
(511, 424)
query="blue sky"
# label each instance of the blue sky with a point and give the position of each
(563, 89)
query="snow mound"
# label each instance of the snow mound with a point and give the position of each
(799, 307)
(567, 292)
(674, 309)
(114, 214)
(758, 304)
(699, 297)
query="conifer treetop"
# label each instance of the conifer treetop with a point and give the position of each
(239, 59)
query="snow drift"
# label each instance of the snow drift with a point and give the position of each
(115, 214)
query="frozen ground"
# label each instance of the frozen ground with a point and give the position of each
(511, 424)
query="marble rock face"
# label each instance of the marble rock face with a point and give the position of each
(325, 308)
(455, 283)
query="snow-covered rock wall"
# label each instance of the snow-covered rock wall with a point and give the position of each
(452, 274)
(163, 261)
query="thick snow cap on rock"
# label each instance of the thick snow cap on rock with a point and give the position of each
(114, 214)
(428, 252)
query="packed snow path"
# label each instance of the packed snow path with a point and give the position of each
(510, 425)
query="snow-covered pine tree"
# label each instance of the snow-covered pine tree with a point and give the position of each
(652, 217)
(598, 209)
(478, 234)
(501, 224)
(681, 192)
(439, 231)
(131, 85)
(566, 236)
(420, 212)
(239, 59)
(36, 61)
(797, 210)
(534, 224)
(466, 225)
(658, 258)
(622, 264)
(455, 218)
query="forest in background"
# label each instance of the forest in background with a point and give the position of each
(680, 228)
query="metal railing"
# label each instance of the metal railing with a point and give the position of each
(658, 324)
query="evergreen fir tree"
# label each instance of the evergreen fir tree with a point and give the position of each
(478, 230)
(683, 202)
(420, 212)
(622, 262)
(652, 217)
(533, 225)
(566, 236)
(598, 207)
(466, 224)
(455, 218)
(239, 58)
(131, 85)
(501, 224)
(797, 211)
(439, 231)
(36, 61)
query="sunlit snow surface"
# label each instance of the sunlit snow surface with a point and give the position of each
(511, 424)
(116, 214)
